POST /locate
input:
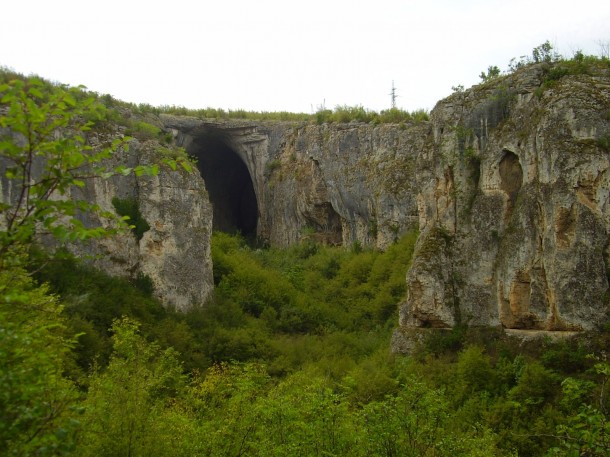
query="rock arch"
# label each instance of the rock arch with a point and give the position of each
(228, 183)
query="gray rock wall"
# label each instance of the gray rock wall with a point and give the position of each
(507, 184)
(514, 207)
(175, 252)
(342, 184)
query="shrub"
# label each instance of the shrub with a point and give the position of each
(143, 130)
(36, 400)
(492, 72)
(603, 142)
(127, 406)
(273, 165)
(475, 370)
(130, 209)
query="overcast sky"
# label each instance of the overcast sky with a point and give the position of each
(281, 55)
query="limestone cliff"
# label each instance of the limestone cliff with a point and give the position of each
(175, 252)
(513, 207)
(342, 184)
(334, 183)
(507, 184)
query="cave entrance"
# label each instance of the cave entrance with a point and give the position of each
(229, 185)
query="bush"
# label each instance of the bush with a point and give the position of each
(92, 300)
(475, 371)
(143, 130)
(130, 208)
(36, 401)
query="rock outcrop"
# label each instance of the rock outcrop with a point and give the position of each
(514, 215)
(174, 253)
(507, 184)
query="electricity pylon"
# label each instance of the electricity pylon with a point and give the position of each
(393, 95)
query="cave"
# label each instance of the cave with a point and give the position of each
(511, 174)
(229, 184)
(511, 180)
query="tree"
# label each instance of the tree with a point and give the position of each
(37, 404)
(587, 430)
(304, 415)
(417, 422)
(130, 409)
(492, 72)
(227, 400)
(44, 156)
(475, 371)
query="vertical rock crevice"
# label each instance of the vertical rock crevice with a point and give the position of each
(511, 180)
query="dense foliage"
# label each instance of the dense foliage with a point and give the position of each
(290, 357)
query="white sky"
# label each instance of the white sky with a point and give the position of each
(280, 55)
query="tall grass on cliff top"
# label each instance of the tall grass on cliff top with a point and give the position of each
(554, 65)
(340, 114)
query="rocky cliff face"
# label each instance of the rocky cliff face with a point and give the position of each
(175, 252)
(513, 207)
(337, 183)
(507, 184)
(343, 184)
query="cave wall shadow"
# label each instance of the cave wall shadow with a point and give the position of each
(228, 183)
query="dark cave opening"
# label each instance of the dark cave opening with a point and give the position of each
(228, 183)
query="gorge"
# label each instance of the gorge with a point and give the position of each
(507, 185)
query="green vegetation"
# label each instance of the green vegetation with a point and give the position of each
(143, 130)
(292, 356)
(344, 114)
(492, 72)
(341, 114)
(289, 358)
(542, 53)
(36, 401)
(46, 158)
(603, 142)
(42, 168)
(579, 64)
(130, 210)
(140, 126)
(555, 66)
